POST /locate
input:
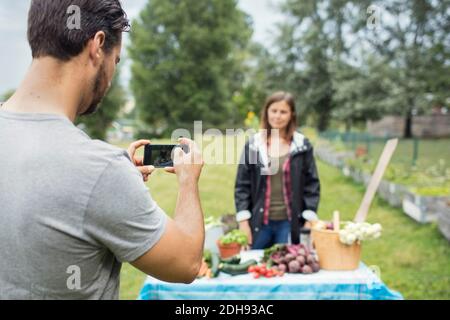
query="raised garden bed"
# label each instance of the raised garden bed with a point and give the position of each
(336, 159)
(423, 209)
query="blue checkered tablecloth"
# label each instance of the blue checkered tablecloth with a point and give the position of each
(360, 284)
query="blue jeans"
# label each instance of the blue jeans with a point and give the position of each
(272, 233)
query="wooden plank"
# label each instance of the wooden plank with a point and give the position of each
(383, 162)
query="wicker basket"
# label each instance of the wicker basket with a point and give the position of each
(334, 255)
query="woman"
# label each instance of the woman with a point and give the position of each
(277, 178)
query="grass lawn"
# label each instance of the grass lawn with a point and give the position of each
(414, 259)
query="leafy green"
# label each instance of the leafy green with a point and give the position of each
(207, 255)
(234, 236)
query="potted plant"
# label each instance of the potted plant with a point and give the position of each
(231, 243)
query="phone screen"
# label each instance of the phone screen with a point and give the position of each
(159, 156)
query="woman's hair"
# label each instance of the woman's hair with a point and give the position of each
(277, 97)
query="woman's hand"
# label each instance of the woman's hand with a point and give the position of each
(245, 227)
(146, 171)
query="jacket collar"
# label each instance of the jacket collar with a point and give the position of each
(298, 145)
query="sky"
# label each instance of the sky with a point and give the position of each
(15, 54)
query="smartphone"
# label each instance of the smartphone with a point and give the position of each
(161, 155)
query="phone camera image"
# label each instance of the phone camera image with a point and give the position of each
(161, 156)
(164, 158)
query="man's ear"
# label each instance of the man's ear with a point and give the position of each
(96, 47)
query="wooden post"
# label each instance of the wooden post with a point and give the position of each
(375, 180)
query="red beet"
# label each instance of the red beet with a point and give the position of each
(301, 260)
(310, 259)
(276, 257)
(315, 267)
(294, 266)
(307, 269)
(293, 249)
(282, 267)
(289, 257)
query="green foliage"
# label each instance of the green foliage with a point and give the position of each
(187, 62)
(306, 47)
(211, 222)
(234, 236)
(207, 256)
(98, 123)
(252, 121)
(417, 52)
(395, 68)
(359, 92)
(433, 191)
(5, 96)
(259, 71)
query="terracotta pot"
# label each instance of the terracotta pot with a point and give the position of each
(228, 250)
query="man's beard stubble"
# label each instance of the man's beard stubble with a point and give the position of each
(98, 92)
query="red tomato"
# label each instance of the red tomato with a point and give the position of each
(256, 275)
(251, 268)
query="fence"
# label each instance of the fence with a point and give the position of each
(366, 144)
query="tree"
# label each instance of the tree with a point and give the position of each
(309, 41)
(360, 91)
(413, 38)
(262, 78)
(98, 123)
(187, 61)
(323, 50)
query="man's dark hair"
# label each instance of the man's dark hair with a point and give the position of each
(49, 33)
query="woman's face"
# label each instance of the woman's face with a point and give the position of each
(279, 115)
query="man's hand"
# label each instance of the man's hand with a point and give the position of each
(146, 171)
(187, 166)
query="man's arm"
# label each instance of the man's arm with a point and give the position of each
(177, 256)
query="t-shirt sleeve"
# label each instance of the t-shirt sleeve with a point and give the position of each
(121, 214)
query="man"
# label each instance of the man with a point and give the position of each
(73, 209)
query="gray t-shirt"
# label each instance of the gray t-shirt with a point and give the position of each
(72, 209)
